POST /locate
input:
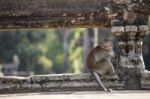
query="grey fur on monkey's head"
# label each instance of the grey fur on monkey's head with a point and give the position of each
(106, 40)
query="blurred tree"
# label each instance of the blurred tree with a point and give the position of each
(41, 51)
(8, 44)
(76, 51)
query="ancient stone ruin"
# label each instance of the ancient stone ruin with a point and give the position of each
(35, 14)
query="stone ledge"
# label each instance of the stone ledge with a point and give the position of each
(56, 82)
(145, 80)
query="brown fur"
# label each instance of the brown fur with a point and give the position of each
(101, 65)
(99, 62)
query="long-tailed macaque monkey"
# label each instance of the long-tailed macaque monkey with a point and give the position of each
(99, 62)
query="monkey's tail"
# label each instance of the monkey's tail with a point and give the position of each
(98, 80)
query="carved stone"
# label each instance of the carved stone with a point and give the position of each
(56, 82)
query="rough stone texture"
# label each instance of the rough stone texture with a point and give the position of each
(53, 13)
(131, 77)
(139, 6)
(57, 82)
(16, 14)
(145, 80)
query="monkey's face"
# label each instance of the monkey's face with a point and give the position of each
(107, 46)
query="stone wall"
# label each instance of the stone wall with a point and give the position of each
(145, 80)
(56, 82)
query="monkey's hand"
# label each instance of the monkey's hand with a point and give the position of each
(115, 77)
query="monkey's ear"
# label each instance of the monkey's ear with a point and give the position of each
(101, 44)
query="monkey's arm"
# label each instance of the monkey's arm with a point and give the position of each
(99, 57)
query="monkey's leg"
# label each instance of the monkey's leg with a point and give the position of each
(111, 72)
(98, 80)
(111, 68)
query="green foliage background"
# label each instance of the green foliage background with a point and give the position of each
(41, 51)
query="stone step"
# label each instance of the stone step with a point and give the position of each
(55, 82)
